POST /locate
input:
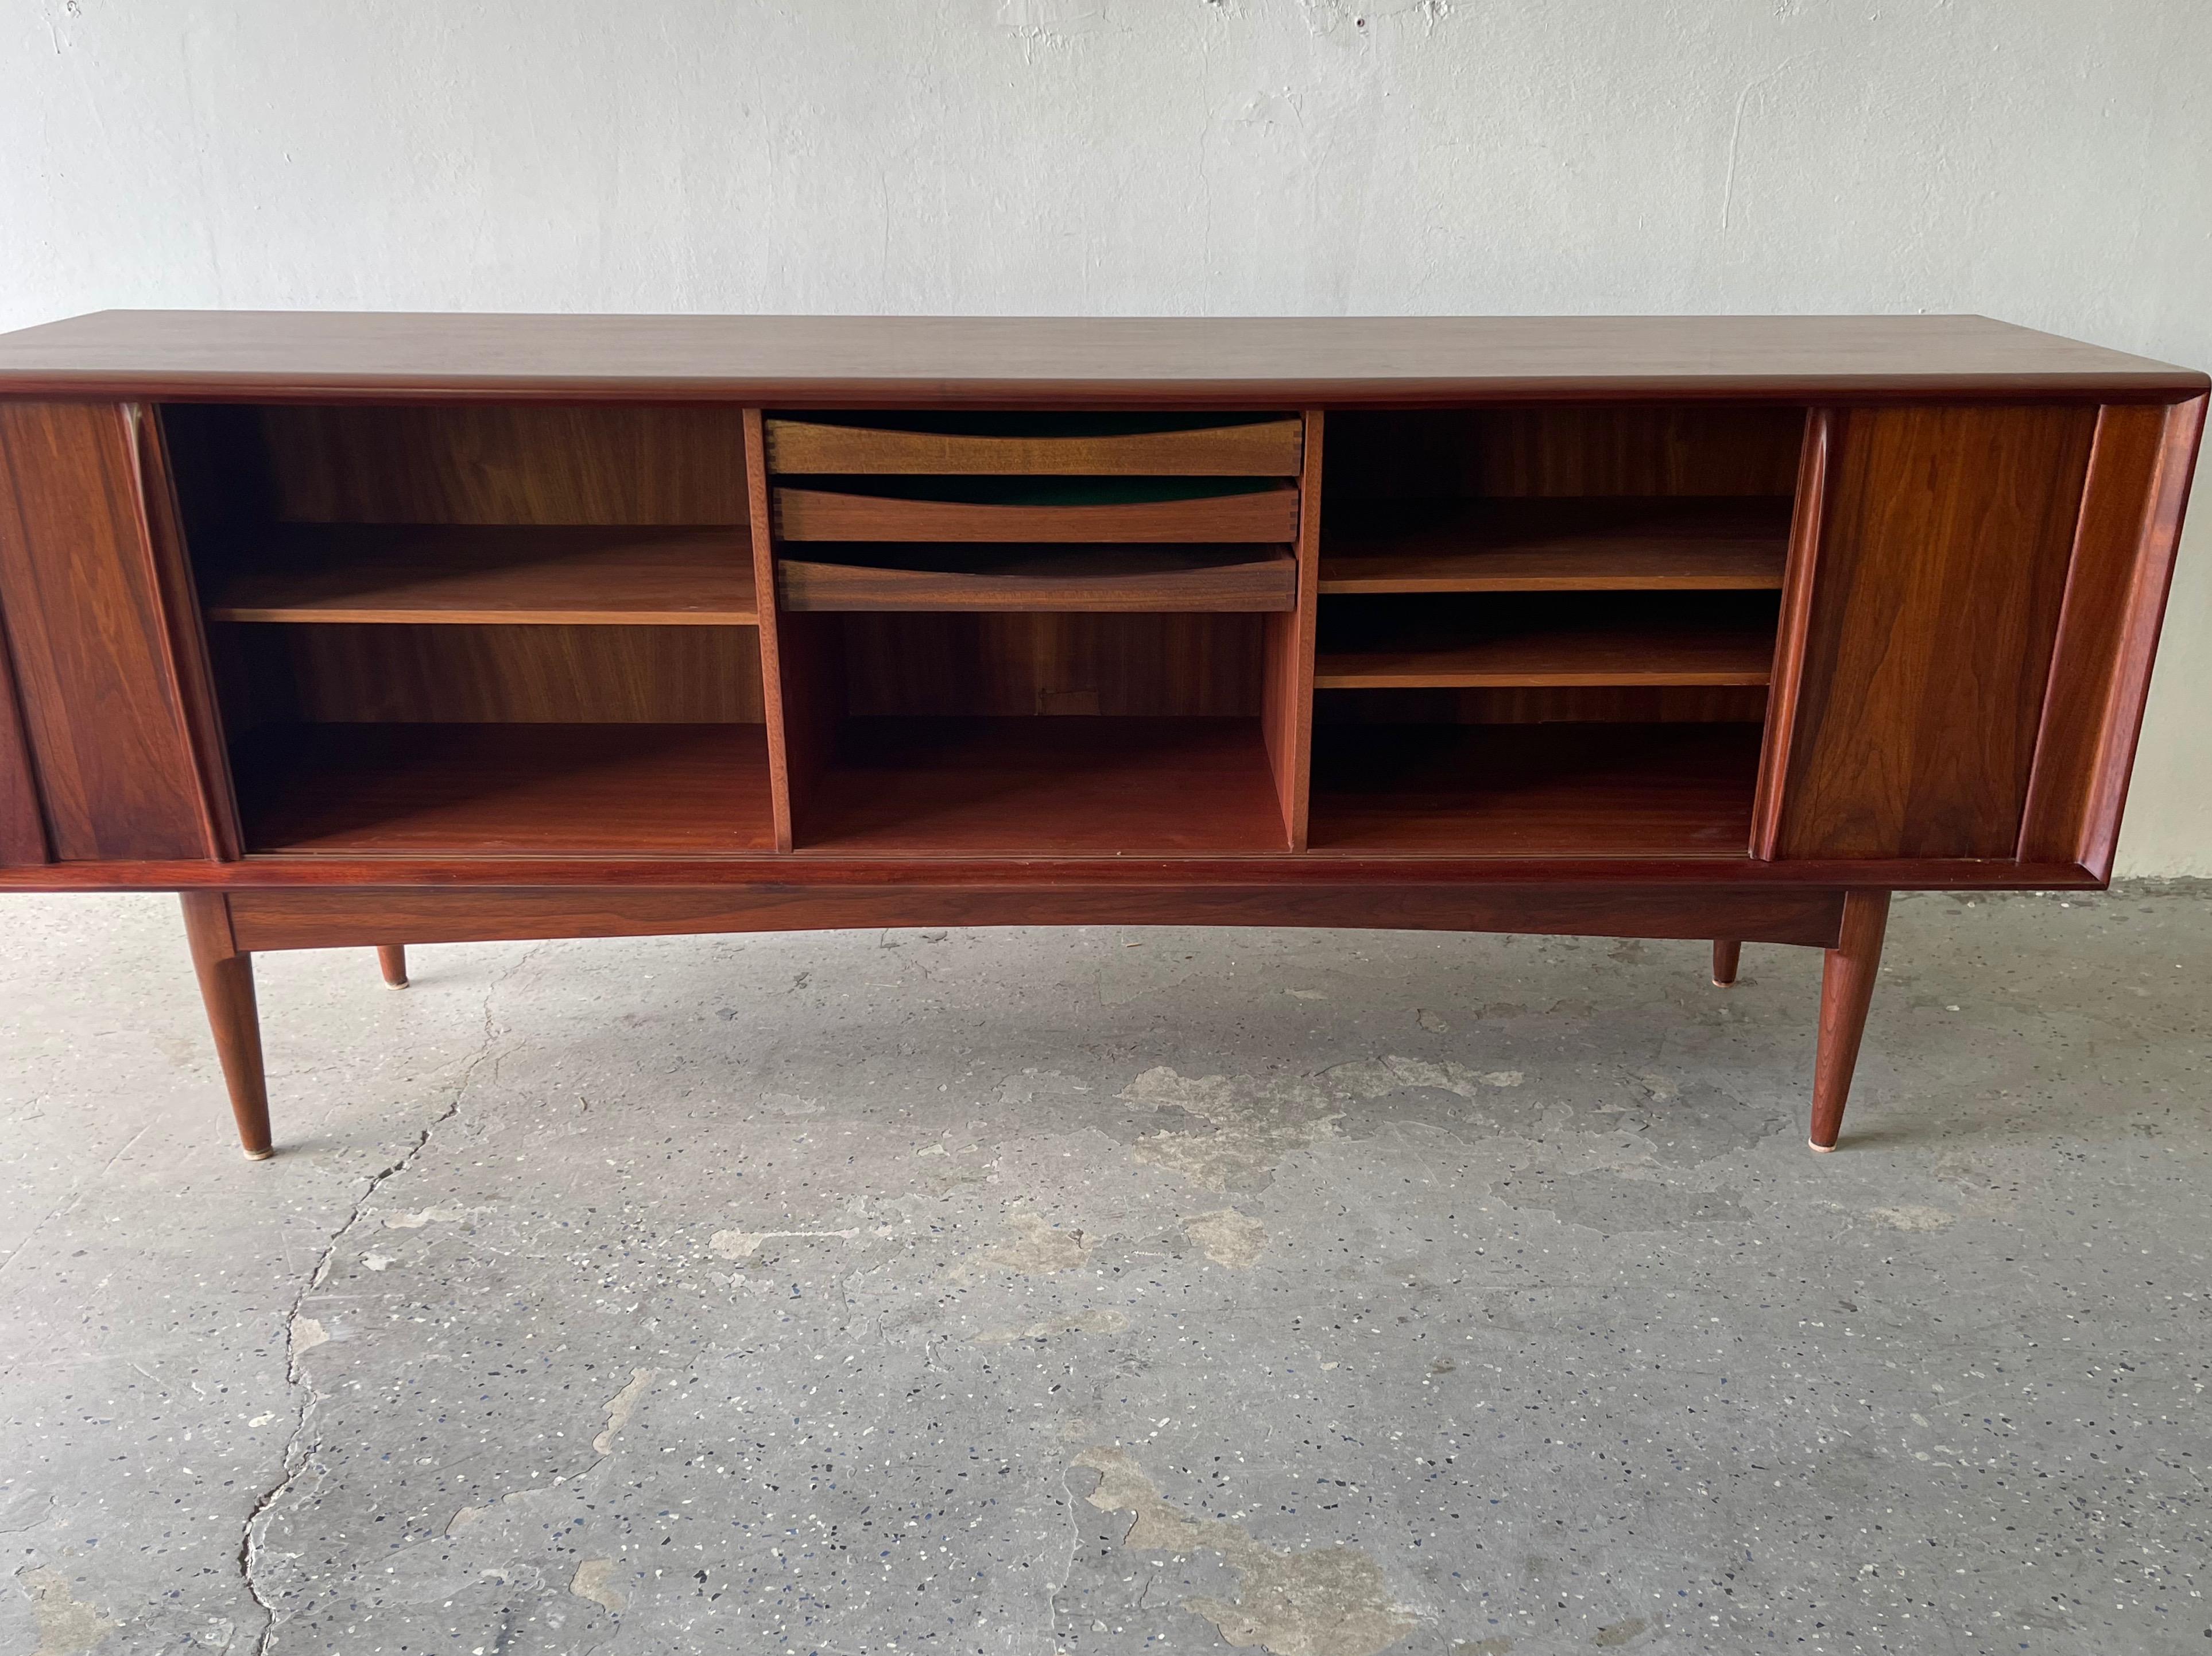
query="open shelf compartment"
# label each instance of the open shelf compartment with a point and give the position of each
(1539, 790)
(480, 629)
(1548, 631)
(1632, 544)
(365, 790)
(1094, 785)
(1397, 642)
(1015, 733)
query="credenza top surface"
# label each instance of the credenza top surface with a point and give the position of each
(923, 361)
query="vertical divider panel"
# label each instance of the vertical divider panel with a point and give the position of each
(2140, 464)
(801, 679)
(1805, 525)
(771, 643)
(1286, 707)
(184, 632)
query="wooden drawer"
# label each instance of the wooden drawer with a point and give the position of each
(1015, 509)
(1058, 579)
(1039, 445)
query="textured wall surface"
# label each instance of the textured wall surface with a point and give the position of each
(2048, 161)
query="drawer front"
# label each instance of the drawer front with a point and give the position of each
(1058, 579)
(1037, 446)
(1269, 514)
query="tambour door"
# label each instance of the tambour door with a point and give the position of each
(1945, 560)
(101, 744)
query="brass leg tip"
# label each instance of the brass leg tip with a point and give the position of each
(1824, 1149)
(402, 983)
(260, 1155)
(1723, 983)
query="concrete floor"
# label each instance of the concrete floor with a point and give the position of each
(1103, 1291)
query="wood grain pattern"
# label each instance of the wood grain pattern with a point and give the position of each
(1286, 672)
(1689, 543)
(1521, 790)
(462, 575)
(79, 595)
(1036, 511)
(299, 920)
(847, 577)
(517, 790)
(1935, 602)
(22, 826)
(1010, 663)
(2139, 469)
(945, 786)
(846, 362)
(392, 964)
(345, 673)
(502, 463)
(1036, 446)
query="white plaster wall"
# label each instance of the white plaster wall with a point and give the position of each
(2048, 161)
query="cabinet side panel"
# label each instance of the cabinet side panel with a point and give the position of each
(2139, 475)
(1935, 591)
(92, 665)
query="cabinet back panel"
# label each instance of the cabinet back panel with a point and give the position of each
(1571, 450)
(517, 463)
(494, 675)
(1939, 564)
(1137, 666)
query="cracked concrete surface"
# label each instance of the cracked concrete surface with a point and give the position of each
(1032, 1292)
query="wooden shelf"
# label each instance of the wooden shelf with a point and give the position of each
(1023, 509)
(1563, 790)
(1565, 546)
(1083, 786)
(1038, 444)
(1559, 651)
(1039, 577)
(506, 789)
(483, 574)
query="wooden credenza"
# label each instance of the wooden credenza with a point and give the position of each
(373, 630)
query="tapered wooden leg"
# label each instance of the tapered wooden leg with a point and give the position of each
(1846, 991)
(392, 957)
(1725, 956)
(226, 975)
